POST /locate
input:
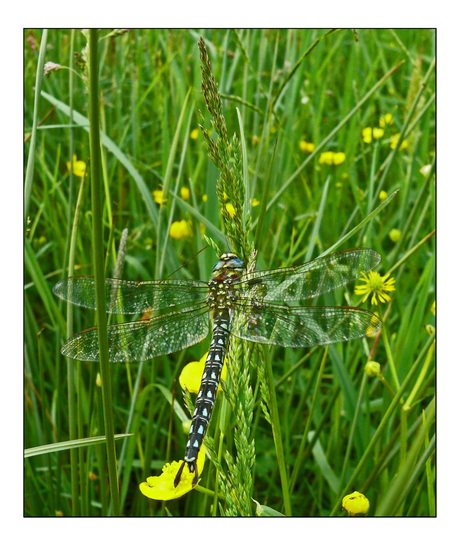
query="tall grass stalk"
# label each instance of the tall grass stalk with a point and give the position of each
(98, 264)
(33, 140)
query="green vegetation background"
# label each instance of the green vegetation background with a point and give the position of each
(150, 91)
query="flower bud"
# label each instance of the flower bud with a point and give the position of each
(372, 369)
(356, 504)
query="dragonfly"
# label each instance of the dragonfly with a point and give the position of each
(270, 307)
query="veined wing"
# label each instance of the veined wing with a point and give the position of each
(310, 279)
(303, 326)
(143, 339)
(129, 297)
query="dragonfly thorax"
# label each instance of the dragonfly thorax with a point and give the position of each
(222, 291)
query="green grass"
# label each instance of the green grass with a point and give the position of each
(333, 429)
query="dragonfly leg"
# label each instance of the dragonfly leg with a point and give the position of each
(179, 473)
(192, 468)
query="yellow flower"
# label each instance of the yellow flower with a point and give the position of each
(230, 209)
(367, 135)
(306, 147)
(158, 197)
(395, 235)
(370, 133)
(194, 134)
(185, 193)
(387, 119)
(78, 167)
(325, 158)
(180, 229)
(383, 195)
(372, 369)
(162, 487)
(331, 158)
(190, 377)
(377, 286)
(205, 198)
(338, 158)
(356, 504)
(394, 140)
(254, 202)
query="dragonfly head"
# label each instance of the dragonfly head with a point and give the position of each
(229, 261)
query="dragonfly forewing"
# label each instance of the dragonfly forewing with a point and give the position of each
(309, 280)
(129, 297)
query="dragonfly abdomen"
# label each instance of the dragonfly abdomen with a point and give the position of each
(208, 390)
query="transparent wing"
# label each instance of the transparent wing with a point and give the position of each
(303, 326)
(310, 279)
(128, 297)
(143, 339)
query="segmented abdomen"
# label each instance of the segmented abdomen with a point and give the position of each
(208, 389)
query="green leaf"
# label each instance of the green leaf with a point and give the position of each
(66, 445)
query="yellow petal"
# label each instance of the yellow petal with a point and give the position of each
(162, 487)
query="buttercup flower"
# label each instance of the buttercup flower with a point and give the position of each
(78, 167)
(383, 195)
(180, 229)
(190, 377)
(331, 158)
(356, 504)
(338, 158)
(162, 487)
(306, 147)
(185, 193)
(194, 134)
(377, 286)
(394, 140)
(372, 133)
(387, 119)
(158, 197)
